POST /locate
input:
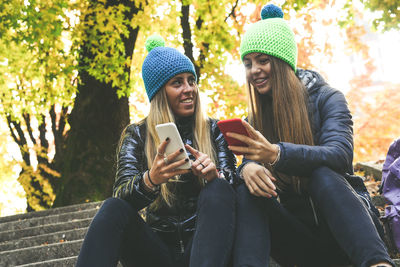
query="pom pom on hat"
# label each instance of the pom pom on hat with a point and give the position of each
(154, 41)
(271, 36)
(271, 11)
(161, 64)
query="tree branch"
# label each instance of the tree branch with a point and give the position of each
(62, 121)
(232, 11)
(44, 144)
(202, 56)
(27, 119)
(20, 139)
(58, 131)
(42, 134)
(14, 136)
(187, 36)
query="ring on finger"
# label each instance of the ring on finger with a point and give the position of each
(202, 165)
(166, 160)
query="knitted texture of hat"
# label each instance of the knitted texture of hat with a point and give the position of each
(161, 64)
(272, 36)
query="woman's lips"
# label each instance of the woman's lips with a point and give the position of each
(260, 82)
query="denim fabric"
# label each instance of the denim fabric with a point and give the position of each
(117, 232)
(252, 238)
(342, 233)
(215, 229)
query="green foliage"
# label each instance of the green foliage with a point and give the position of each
(38, 71)
(104, 25)
(389, 13)
(37, 66)
(39, 191)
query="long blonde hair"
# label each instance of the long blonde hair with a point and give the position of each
(160, 112)
(285, 117)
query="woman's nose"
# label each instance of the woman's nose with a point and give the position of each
(187, 87)
(255, 69)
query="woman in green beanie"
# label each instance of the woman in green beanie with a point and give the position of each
(296, 203)
(188, 221)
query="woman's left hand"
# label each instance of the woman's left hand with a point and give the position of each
(202, 166)
(259, 148)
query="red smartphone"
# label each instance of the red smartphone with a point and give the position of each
(235, 126)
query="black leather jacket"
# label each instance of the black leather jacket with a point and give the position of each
(132, 164)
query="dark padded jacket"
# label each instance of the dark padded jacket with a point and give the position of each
(332, 128)
(132, 164)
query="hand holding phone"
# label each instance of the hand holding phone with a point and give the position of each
(235, 126)
(169, 130)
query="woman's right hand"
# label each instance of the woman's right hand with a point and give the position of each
(163, 168)
(259, 180)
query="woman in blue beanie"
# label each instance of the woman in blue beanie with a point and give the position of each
(296, 202)
(155, 219)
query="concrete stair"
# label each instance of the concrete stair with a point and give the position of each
(53, 237)
(45, 238)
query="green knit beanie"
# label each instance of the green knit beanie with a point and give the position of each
(272, 36)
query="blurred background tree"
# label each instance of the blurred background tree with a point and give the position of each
(71, 78)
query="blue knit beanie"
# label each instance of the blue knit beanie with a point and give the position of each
(161, 64)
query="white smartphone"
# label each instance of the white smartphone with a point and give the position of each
(169, 130)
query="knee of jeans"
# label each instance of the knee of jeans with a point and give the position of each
(242, 192)
(324, 180)
(244, 198)
(112, 204)
(114, 211)
(217, 190)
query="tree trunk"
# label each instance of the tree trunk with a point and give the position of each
(96, 121)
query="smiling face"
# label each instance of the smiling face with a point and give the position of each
(258, 71)
(181, 93)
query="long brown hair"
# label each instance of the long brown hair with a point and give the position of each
(282, 116)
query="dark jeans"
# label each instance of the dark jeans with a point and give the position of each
(117, 232)
(344, 232)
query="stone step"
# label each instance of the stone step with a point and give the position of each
(54, 211)
(40, 253)
(370, 168)
(379, 201)
(62, 262)
(54, 238)
(51, 238)
(40, 230)
(46, 220)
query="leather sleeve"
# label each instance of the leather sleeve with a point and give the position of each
(131, 165)
(226, 161)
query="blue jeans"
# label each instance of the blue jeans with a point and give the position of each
(117, 232)
(342, 232)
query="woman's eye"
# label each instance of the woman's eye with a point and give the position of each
(247, 65)
(176, 82)
(191, 81)
(264, 60)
